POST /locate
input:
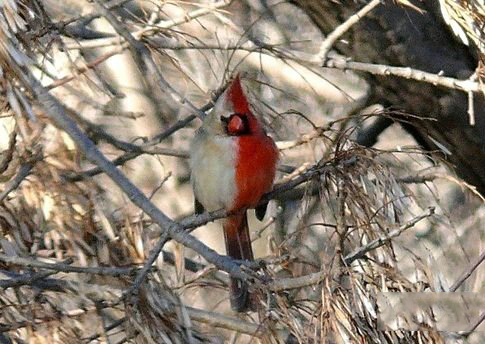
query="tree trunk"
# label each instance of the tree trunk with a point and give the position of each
(399, 36)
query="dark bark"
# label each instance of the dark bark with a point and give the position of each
(399, 36)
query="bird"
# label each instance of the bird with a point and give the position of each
(233, 164)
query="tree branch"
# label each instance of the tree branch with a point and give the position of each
(467, 273)
(475, 325)
(467, 86)
(315, 278)
(376, 243)
(24, 171)
(138, 35)
(63, 267)
(57, 114)
(25, 279)
(75, 177)
(343, 28)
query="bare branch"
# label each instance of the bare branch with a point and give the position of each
(317, 277)
(222, 321)
(84, 69)
(24, 171)
(138, 35)
(361, 251)
(407, 73)
(56, 112)
(108, 328)
(340, 62)
(343, 28)
(467, 273)
(25, 279)
(64, 267)
(112, 4)
(43, 283)
(475, 325)
(74, 177)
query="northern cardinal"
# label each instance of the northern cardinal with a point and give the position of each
(233, 164)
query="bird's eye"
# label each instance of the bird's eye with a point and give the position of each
(237, 125)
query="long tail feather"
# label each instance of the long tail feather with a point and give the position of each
(238, 246)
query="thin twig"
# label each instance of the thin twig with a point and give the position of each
(376, 243)
(25, 279)
(84, 69)
(43, 320)
(63, 267)
(475, 325)
(29, 278)
(341, 229)
(417, 179)
(343, 28)
(145, 61)
(140, 277)
(112, 271)
(317, 277)
(471, 109)
(467, 273)
(138, 35)
(75, 177)
(24, 171)
(213, 319)
(58, 115)
(106, 329)
(471, 103)
(50, 284)
(86, 18)
(96, 132)
(340, 62)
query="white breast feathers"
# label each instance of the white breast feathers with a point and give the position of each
(213, 162)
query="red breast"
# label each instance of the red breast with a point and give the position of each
(255, 169)
(256, 156)
(233, 161)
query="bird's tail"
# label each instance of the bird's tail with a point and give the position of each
(238, 246)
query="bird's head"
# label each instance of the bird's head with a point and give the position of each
(231, 114)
